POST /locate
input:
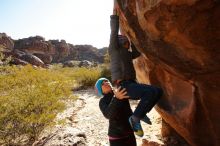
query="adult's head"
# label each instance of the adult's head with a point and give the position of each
(103, 86)
(123, 41)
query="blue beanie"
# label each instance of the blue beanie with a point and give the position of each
(98, 86)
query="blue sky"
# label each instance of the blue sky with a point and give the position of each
(76, 21)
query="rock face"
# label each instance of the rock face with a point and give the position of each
(180, 41)
(35, 44)
(58, 51)
(6, 43)
(46, 52)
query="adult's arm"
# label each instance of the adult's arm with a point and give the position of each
(109, 110)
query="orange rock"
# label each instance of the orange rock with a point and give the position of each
(180, 42)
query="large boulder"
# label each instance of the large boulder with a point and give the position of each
(32, 60)
(76, 63)
(86, 52)
(55, 51)
(47, 59)
(85, 63)
(35, 44)
(6, 43)
(17, 61)
(180, 41)
(62, 49)
(71, 63)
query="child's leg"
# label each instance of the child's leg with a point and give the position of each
(154, 101)
(148, 95)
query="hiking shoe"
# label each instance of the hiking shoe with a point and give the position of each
(146, 119)
(136, 126)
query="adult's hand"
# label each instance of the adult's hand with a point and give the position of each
(120, 93)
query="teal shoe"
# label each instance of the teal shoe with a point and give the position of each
(136, 126)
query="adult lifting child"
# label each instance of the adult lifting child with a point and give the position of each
(123, 75)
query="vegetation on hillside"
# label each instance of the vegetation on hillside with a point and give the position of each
(31, 98)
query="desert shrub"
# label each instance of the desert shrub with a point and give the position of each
(32, 97)
(105, 71)
(86, 77)
(82, 76)
(105, 68)
(30, 100)
(4, 60)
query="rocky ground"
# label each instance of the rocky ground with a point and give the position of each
(86, 126)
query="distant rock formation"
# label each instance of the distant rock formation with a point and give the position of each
(76, 63)
(180, 42)
(86, 52)
(6, 43)
(46, 52)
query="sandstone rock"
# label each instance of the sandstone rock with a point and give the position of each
(17, 53)
(17, 61)
(71, 63)
(85, 63)
(180, 42)
(75, 63)
(32, 45)
(6, 43)
(50, 51)
(87, 52)
(61, 49)
(150, 143)
(32, 60)
(47, 59)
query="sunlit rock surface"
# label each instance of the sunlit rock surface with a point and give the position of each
(47, 52)
(180, 41)
(6, 43)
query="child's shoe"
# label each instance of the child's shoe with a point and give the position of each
(136, 126)
(146, 119)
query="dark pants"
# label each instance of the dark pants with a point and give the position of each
(127, 141)
(148, 95)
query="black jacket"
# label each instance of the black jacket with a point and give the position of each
(118, 112)
(120, 58)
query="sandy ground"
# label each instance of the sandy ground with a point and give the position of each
(86, 126)
(90, 120)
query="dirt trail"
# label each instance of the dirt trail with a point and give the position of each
(90, 120)
(86, 126)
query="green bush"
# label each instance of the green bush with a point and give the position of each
(30, 100)
(105, 72)
(4, 60)
(82, 76)
(86, 77)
